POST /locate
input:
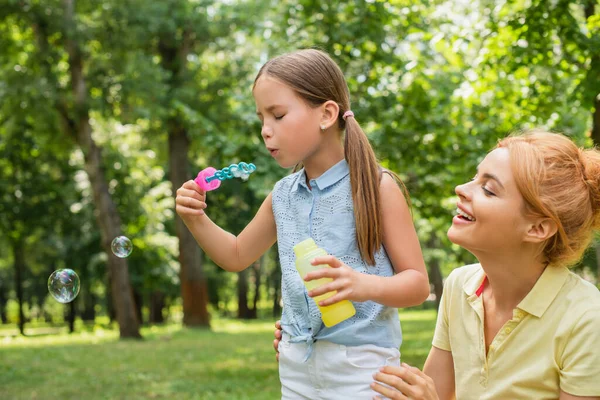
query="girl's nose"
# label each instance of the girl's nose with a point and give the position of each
(266, 132)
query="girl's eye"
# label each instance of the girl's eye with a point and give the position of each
(278, 118)
(487, 192)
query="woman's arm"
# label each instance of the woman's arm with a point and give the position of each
(228, 251)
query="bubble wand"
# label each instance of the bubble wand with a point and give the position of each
(210, 178)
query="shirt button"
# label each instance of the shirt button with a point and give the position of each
(507, 330)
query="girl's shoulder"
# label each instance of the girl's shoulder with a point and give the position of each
(290, 181)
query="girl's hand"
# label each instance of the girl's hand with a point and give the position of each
(349, 284)
(406, 383)
(190, 200)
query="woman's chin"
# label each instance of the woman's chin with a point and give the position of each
(456, 237)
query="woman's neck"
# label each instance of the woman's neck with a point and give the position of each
(510, 278)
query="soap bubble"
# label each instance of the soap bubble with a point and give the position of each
(121, 246)
(63, 285)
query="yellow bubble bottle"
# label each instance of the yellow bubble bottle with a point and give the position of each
(305, 252)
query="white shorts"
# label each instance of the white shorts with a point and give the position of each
(333, 371)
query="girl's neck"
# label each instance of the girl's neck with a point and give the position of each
(510, 278)
(323, 159)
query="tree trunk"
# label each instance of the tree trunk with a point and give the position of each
(19, 265)
(242, 294)
(89, 303)
(257, 269)
(435, 275)
(157, 303)
(139, 302)
(276, 279)
(3, 301)
(71, 316)
(107, 216)
(194, 291)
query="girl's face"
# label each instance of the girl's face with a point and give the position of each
(290, 127)
(490, 211)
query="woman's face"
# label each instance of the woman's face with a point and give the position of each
(490, 210)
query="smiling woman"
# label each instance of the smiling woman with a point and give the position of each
(518, 325)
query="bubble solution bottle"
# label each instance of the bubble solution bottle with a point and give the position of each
(305, 252)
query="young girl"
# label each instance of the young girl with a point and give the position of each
(342, 200)
(519, 325)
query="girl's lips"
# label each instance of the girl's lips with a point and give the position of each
(273, 152)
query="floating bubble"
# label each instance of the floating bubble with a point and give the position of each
(63, 285)
(121, 246)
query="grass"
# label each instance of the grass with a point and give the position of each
(234, 360)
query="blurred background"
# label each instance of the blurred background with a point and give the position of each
(107, 107)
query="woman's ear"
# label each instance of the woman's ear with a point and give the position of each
(329, 115)
(541, 230)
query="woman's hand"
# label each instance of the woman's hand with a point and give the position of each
(277, 335)
(406, 382)
(190, 200)
(349, 284)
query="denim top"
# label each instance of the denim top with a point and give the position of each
(326, 213)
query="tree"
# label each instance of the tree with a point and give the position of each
(58, 72)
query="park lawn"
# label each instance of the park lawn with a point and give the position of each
(233, 360)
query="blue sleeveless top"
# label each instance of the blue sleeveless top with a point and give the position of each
(326, 214)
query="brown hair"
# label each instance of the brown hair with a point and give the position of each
(316, 78)
(560, 181)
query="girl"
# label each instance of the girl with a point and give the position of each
(341, 199)
(518, 325)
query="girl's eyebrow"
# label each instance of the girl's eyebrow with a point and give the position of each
(269, 108)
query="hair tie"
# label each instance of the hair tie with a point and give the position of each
(348, 114)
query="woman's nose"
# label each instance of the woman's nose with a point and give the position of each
(462, 190)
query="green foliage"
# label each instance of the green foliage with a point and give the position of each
(434, 84)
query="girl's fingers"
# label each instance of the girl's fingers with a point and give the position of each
(191, 185)
(326, 288)
(182, 210)
(339, 296)
(190, 193)
(330, 260)
(322, 273)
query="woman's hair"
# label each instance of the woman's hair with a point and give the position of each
(316, 78)
(560, 181)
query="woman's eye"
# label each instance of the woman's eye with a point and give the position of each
(487, 192)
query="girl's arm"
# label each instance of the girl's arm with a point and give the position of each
(229, 252)
(409, 287)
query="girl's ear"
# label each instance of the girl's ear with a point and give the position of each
(329, 114)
